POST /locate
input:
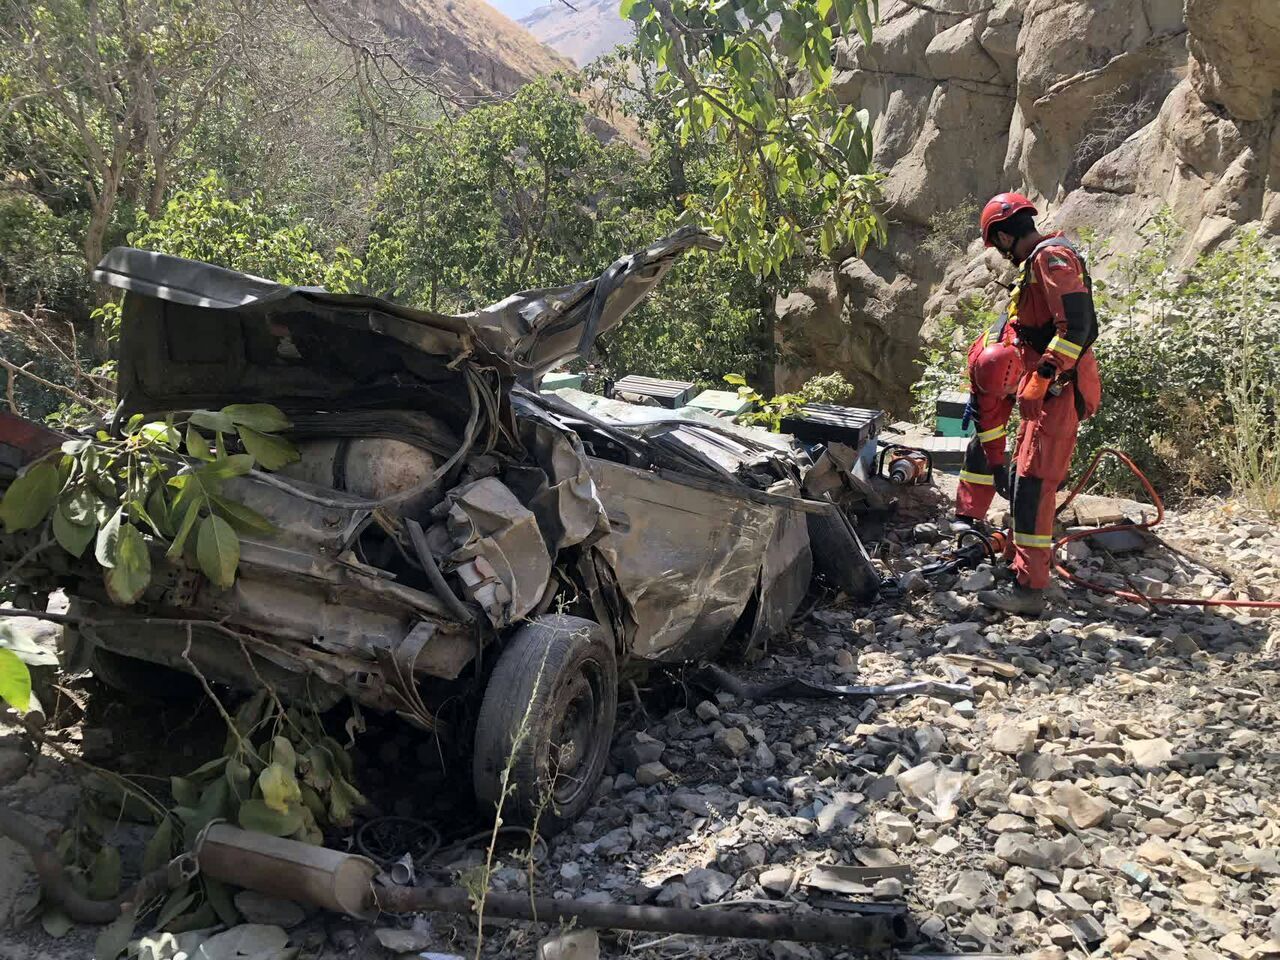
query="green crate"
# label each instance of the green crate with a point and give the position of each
(720, 403)
(951, 427)
(561, 380)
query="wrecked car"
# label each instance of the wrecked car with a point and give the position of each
(452, 545)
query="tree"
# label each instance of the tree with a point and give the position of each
(205, 223)
(511, 195)
(119, 88)
(800, 173)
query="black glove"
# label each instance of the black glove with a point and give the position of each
(970, 413)
(1001, 474)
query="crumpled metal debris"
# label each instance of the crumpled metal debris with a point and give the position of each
(499, 554)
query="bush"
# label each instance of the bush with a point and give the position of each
(945, 367)
(41, 264)
(1190, 382)
(203, 222)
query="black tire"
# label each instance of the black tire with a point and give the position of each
(838, 554)
(142, 678)
(557, 681)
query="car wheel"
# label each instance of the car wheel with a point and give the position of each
(548, 711)
(142, 678)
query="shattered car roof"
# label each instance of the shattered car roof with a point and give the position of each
(528, 333)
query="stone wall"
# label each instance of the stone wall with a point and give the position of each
(1102, 111)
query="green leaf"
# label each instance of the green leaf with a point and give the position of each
(129, 577)
(198, 919)
(72, 537)
(218, 422)
(343, 798)
(203, 771)
(279, 788)
(242, 518)
(272, 453)
(158, 510)
(160, 847)
(257, 416)
(55, 922)
(282, 752)
(256, 815)
(218, 551)
(862, 21)
(115, 937)
(224, 468)
(212, 806)
(189, 505)
(178, 901)
(219, 897)
(82, 506)
(104, 875)
(106, 548)
(197, 445)
(15, 681)
(316, 764)
(185, 793)
(30, 497)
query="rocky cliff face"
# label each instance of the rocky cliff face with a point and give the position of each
(1103, 111)
(465, 46)
(583, 32)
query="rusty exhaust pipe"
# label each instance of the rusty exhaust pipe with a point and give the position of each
(341, 882)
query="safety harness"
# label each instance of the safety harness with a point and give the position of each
(1041, 339)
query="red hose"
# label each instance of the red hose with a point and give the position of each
(1134, 596)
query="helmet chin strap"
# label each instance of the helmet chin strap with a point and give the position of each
(1010, 253)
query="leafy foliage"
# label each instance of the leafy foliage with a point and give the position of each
(827, 388)
(1190, 366)
(944, 368)
(755, 77)
(951, 230)
(40, 261)
(157, 483)
(203, 222)
(512, 195)
(280, 773)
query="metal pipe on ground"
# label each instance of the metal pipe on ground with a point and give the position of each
(853, 932)
(341, 882)
(344, 882)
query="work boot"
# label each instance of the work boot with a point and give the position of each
(1026, 601)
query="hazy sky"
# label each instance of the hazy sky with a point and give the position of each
(515, 9)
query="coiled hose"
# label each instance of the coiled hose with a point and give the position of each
(1133, 595)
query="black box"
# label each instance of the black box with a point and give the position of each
(828, 423)
(671, 394)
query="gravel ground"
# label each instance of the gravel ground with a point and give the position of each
(1108, 789)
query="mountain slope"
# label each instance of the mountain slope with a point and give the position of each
(466, 46)
(582, 35)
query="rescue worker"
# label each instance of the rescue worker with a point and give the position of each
(1054, 326)
(995, 370)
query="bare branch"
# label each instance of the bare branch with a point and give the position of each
(60, 388)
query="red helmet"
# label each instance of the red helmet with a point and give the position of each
(998, 370)
(1002, 207)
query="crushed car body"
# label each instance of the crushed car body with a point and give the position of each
(452, 545)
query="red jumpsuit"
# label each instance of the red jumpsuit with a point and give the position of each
(1051, 312)
(991, 407)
